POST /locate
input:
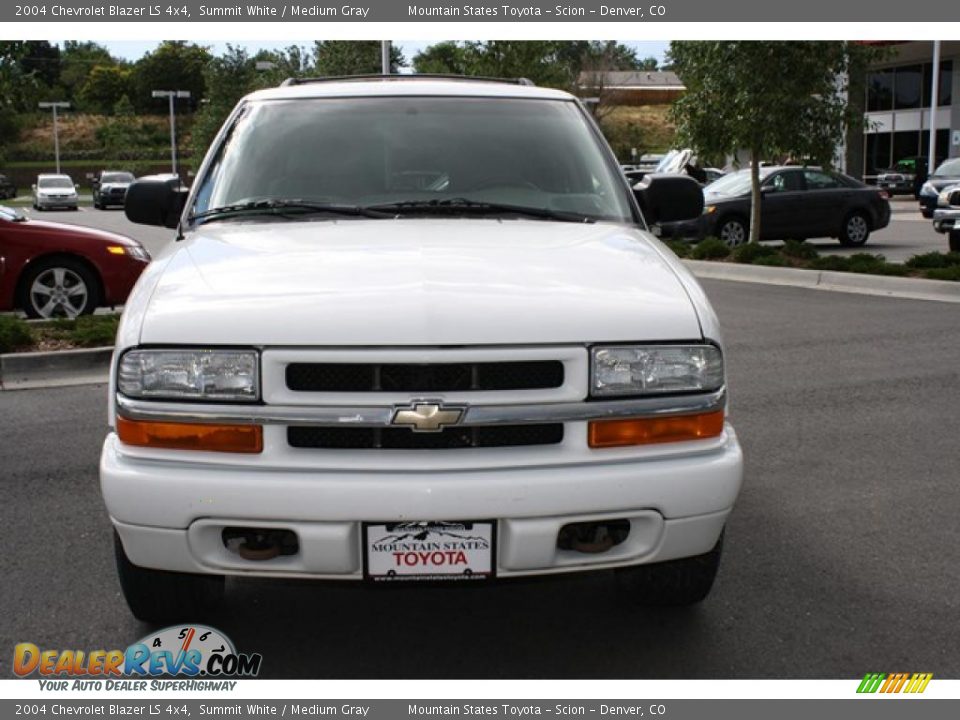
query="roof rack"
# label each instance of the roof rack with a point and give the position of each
(412, 76)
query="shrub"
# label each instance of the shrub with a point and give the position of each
(800, 250)
(710, 249)
(14, 333)
(774, 260)
(934, 260)
(873, 265)
(752, 253)
(949, 273)
(680, 248)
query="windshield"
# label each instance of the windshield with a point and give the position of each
(367, 152)
(949, 168)
(55, 182)
(117, 177)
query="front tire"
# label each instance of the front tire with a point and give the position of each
(855, 230)
(157, 596)
(674, 583)
(733, 231)
(61, 287)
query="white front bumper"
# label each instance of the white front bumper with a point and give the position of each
(170, 514)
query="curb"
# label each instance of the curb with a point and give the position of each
(23, 371)
(880, 285)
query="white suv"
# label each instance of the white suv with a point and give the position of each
(415, 329)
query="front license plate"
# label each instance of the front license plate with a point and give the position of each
(408, 551)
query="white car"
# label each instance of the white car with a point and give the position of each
(341, 372)
(54, 191)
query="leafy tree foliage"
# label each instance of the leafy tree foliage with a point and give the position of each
(773, 99)
(353, 57)
(173, 65)
(104, 87)
(77, 62)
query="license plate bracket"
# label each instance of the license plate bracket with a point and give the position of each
(429, 551)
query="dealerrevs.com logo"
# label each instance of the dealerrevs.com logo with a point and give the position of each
(190, 651)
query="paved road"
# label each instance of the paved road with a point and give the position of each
(908, 234)
(842, 554)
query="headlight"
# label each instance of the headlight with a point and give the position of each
(655, 369)
(709, 209)
(228, 375)
(138, 252)
(927, 189)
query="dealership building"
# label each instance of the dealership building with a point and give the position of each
(899, 107)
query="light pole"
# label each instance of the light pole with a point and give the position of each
(385, 57)
(56, 134)
(172, 95)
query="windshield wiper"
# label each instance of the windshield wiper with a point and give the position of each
(454, 206)
(286, 208)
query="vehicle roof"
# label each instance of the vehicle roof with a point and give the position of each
(53, 175)
(407, 86)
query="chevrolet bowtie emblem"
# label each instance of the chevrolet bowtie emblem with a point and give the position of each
(427, 417)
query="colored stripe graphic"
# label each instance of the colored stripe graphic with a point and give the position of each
(894, 683)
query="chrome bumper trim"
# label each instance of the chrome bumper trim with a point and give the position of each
(382, 416)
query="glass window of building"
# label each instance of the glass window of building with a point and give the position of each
(877, 153)
(880, 90)
(908, 87)
(945, 91)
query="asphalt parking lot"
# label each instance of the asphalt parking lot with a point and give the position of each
(841, 555)
(907, 235)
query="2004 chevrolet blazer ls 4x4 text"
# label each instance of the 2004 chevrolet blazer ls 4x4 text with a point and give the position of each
(414, 328)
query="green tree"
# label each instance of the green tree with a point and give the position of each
(553, 63)
(770, 99)
(353, 57)
(171, 66)
(77, 61)
(104, 87)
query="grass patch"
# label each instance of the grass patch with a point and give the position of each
(14, 334)
(710, 248)
(934, 260)
(752, 253)
(680, 248)
(62, 334)
(799, 250)
(951, 273)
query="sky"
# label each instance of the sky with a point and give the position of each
(134, 50)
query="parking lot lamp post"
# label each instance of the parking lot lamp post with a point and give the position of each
(934, 101)
(385, 57)
(172, 95)
(56, 133)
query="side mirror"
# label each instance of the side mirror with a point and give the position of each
(33, 187)
(76, 186)
(667, 197)
(155, 200)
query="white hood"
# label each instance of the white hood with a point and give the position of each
(414, 281)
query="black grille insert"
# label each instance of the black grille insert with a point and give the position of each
(354, 438)
(415, 378)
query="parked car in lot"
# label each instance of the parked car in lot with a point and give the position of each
(110, 188)
(54, 191)
(55, 270)
(341, 372)
(906, 177)
(7, 189)
(946, 218)
(946, 174)
(797, 202)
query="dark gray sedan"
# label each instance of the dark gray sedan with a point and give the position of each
(797, 202)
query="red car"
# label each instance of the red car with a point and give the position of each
(53, 270)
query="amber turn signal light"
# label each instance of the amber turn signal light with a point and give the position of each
(646, 431)
(191, 436)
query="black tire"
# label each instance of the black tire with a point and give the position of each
(954, 241)
(32, 302)
(733, 230)
(156, 596)
(855, 229)
(671, 584)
